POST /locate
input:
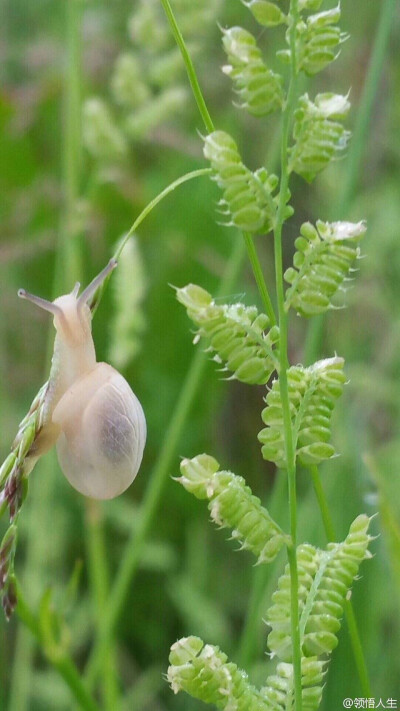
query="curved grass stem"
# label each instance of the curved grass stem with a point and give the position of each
(208, 123)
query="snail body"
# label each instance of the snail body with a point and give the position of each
(90, 411)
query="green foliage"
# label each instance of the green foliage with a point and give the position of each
(236, 334)
(319, 137)
(204, 672)
(259, 89)
(180, 247)
(129, 288)
(317, 41)
(312, 395)
(325, 578)
(248, 197)
(232, 505)
(322, 262)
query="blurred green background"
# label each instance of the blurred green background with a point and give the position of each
(190, 579)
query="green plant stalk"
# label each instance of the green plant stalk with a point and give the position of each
(153, 203)
(158, 478)
(259, 277)
(191, 72)
(61, 661)
(357, 146)
(70, 239)
(67, 263)
(132, 556)
(283, 358)
(208, 123)
(100, 584)
(146, 211)
(348, 607)
(36, 552)
(264, 576)
(363, 117)
(282, 314)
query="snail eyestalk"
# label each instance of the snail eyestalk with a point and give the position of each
(97, 281)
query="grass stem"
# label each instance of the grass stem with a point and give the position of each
(60, 660)
(191, 72)
(315, 332)
(259, 277)
(100, 584)
(134, 547)
(283, 358)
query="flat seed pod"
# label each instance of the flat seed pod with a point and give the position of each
(323, 261)
(258, 88)
(232, 505)
(325, 578)
(247, 197)
(312, 395)
(318, 135)
(237, 334)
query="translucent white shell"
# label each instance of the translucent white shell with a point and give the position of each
(101, 444)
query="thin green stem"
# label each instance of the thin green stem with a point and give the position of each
(194, 82)
(323, 504)
(315, 331)
(153, 203)
(259, 277)
(145, 212)
(358, 652)
(134, 547)
(348, 607)
(100, 584)
(364, 113)
(68, 267)
(70, 238)
(60, 660)
(264, 580)
(283, 357)
(199, 98)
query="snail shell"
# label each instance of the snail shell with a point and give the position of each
(103, 431)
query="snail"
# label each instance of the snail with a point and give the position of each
(89, 409)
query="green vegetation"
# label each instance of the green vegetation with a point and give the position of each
(101, 109)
